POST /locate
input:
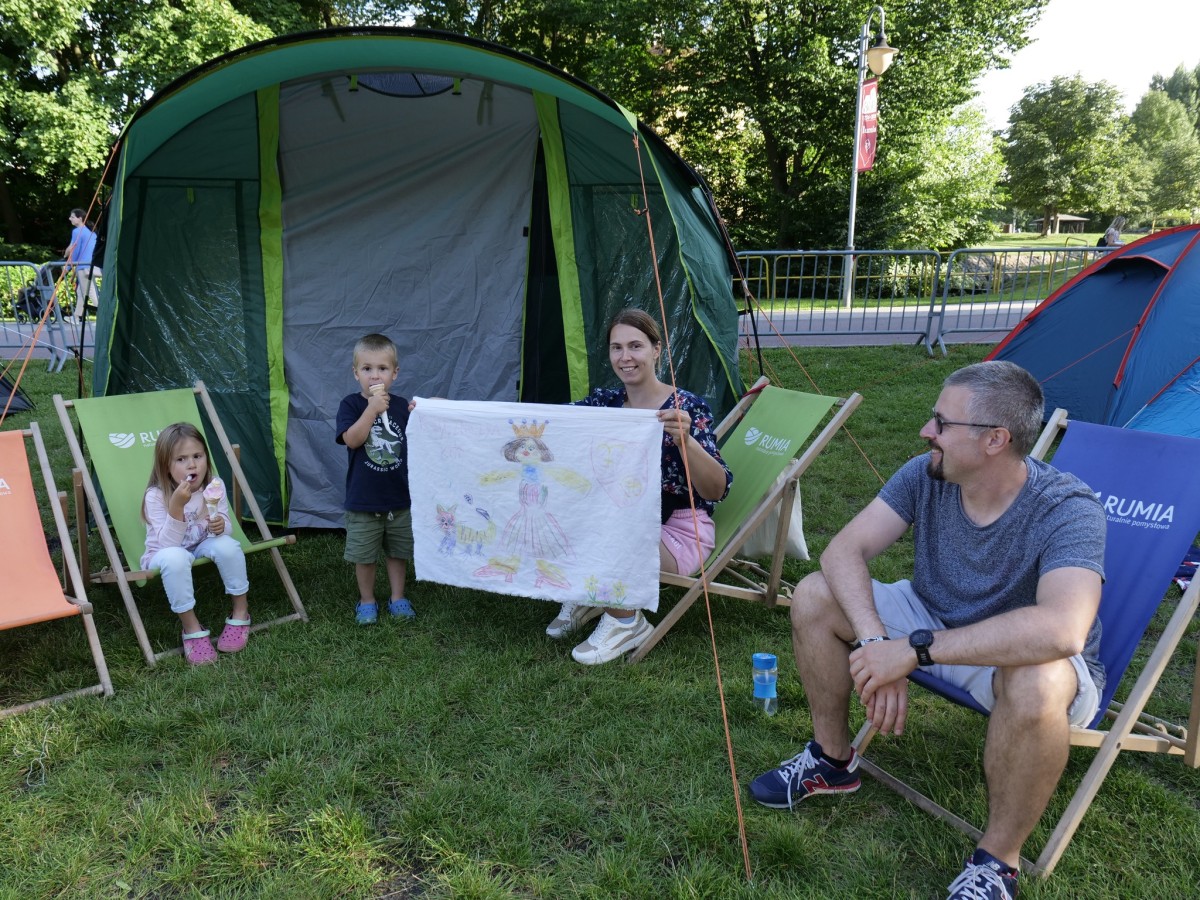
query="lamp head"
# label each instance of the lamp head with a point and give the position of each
(880, 54)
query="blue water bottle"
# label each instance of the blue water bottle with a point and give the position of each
(766, 673)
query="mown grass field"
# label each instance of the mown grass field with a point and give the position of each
(464, 755)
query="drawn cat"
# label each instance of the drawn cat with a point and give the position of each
(455, 533)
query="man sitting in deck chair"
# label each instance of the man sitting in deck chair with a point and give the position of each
(1006, 585)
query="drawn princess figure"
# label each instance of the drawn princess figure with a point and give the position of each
(532, 531)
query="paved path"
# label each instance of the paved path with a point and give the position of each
(966, 323)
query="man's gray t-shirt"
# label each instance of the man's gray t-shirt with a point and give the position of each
(965, 573)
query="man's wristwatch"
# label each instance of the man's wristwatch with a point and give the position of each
(869, 640)
(921, 640)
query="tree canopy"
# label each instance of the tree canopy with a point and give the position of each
(1170, 148)
(1067, 144)
(758, 94)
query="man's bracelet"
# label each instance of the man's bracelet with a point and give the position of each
(869, 640)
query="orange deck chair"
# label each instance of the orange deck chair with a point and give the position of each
(33, 592)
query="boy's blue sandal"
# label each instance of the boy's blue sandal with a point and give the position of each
(401, 609)
(366, 613)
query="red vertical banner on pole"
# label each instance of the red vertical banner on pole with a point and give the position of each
(870, 124)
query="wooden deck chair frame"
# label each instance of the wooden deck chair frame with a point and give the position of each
(117, 573)
(762, 585)
(74, 600)
(1131, 727)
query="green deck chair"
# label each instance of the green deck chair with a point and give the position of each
(120, 432)
(764, 437)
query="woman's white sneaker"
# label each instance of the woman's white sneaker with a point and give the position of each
(612, 638)
(571, 616)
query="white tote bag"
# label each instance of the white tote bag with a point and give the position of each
(762, 541)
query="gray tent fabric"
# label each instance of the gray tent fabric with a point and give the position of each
(393, 191)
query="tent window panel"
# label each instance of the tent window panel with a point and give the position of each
(616, 266)
(189, 278)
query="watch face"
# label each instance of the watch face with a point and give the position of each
(922, 637)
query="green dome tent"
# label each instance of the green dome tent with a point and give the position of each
(478, 206)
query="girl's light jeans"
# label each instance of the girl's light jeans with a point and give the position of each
(175, 567)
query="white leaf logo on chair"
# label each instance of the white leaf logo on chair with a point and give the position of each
(752, 435)
(122, 440)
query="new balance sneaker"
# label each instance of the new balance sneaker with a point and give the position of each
(612, 638)
(803, 775)
(984, 878)
(571, 616)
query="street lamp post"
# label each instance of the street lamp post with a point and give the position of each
(877, 56)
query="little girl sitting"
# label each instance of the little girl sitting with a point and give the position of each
(179, 529)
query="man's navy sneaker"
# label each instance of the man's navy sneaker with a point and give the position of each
(803, 775)
(984, 878)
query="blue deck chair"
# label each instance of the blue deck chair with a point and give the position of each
(1150, 484)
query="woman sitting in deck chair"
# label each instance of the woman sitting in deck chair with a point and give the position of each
(634, 349)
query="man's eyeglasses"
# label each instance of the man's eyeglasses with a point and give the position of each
(941, 423)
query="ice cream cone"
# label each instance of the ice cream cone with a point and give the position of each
(377, 389)
(213, 493)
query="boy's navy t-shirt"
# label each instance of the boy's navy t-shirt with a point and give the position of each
(377, 477)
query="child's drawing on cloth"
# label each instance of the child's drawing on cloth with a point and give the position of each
(532, 532)
(451, 438)
(604, 594)
(620, 468)
(461, 536)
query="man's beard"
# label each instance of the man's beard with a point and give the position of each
(934, 469)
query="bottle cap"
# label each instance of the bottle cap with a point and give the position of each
(764, 660)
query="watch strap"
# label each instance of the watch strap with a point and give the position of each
(869, 640)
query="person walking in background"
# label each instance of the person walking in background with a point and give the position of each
(1112, 237)
(79, 258)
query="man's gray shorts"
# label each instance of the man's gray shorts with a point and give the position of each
(903, 612)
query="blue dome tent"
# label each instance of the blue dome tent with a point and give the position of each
(1119, 344)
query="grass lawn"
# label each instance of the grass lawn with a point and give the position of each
(466, 755)
(1033, 239)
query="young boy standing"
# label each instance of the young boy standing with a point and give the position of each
(371, 424)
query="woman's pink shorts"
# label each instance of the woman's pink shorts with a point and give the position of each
(679, 534)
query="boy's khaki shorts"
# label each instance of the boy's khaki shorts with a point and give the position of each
(369, 532)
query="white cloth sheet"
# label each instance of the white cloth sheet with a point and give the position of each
(557, 503)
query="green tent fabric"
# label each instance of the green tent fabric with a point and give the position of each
(483, 209)
(772, 433)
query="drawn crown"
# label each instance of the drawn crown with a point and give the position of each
(528, 429)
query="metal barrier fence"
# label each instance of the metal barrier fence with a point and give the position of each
(987, 291)
(975, 291)
(26, 291)
(801, 294)
(804, 293)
